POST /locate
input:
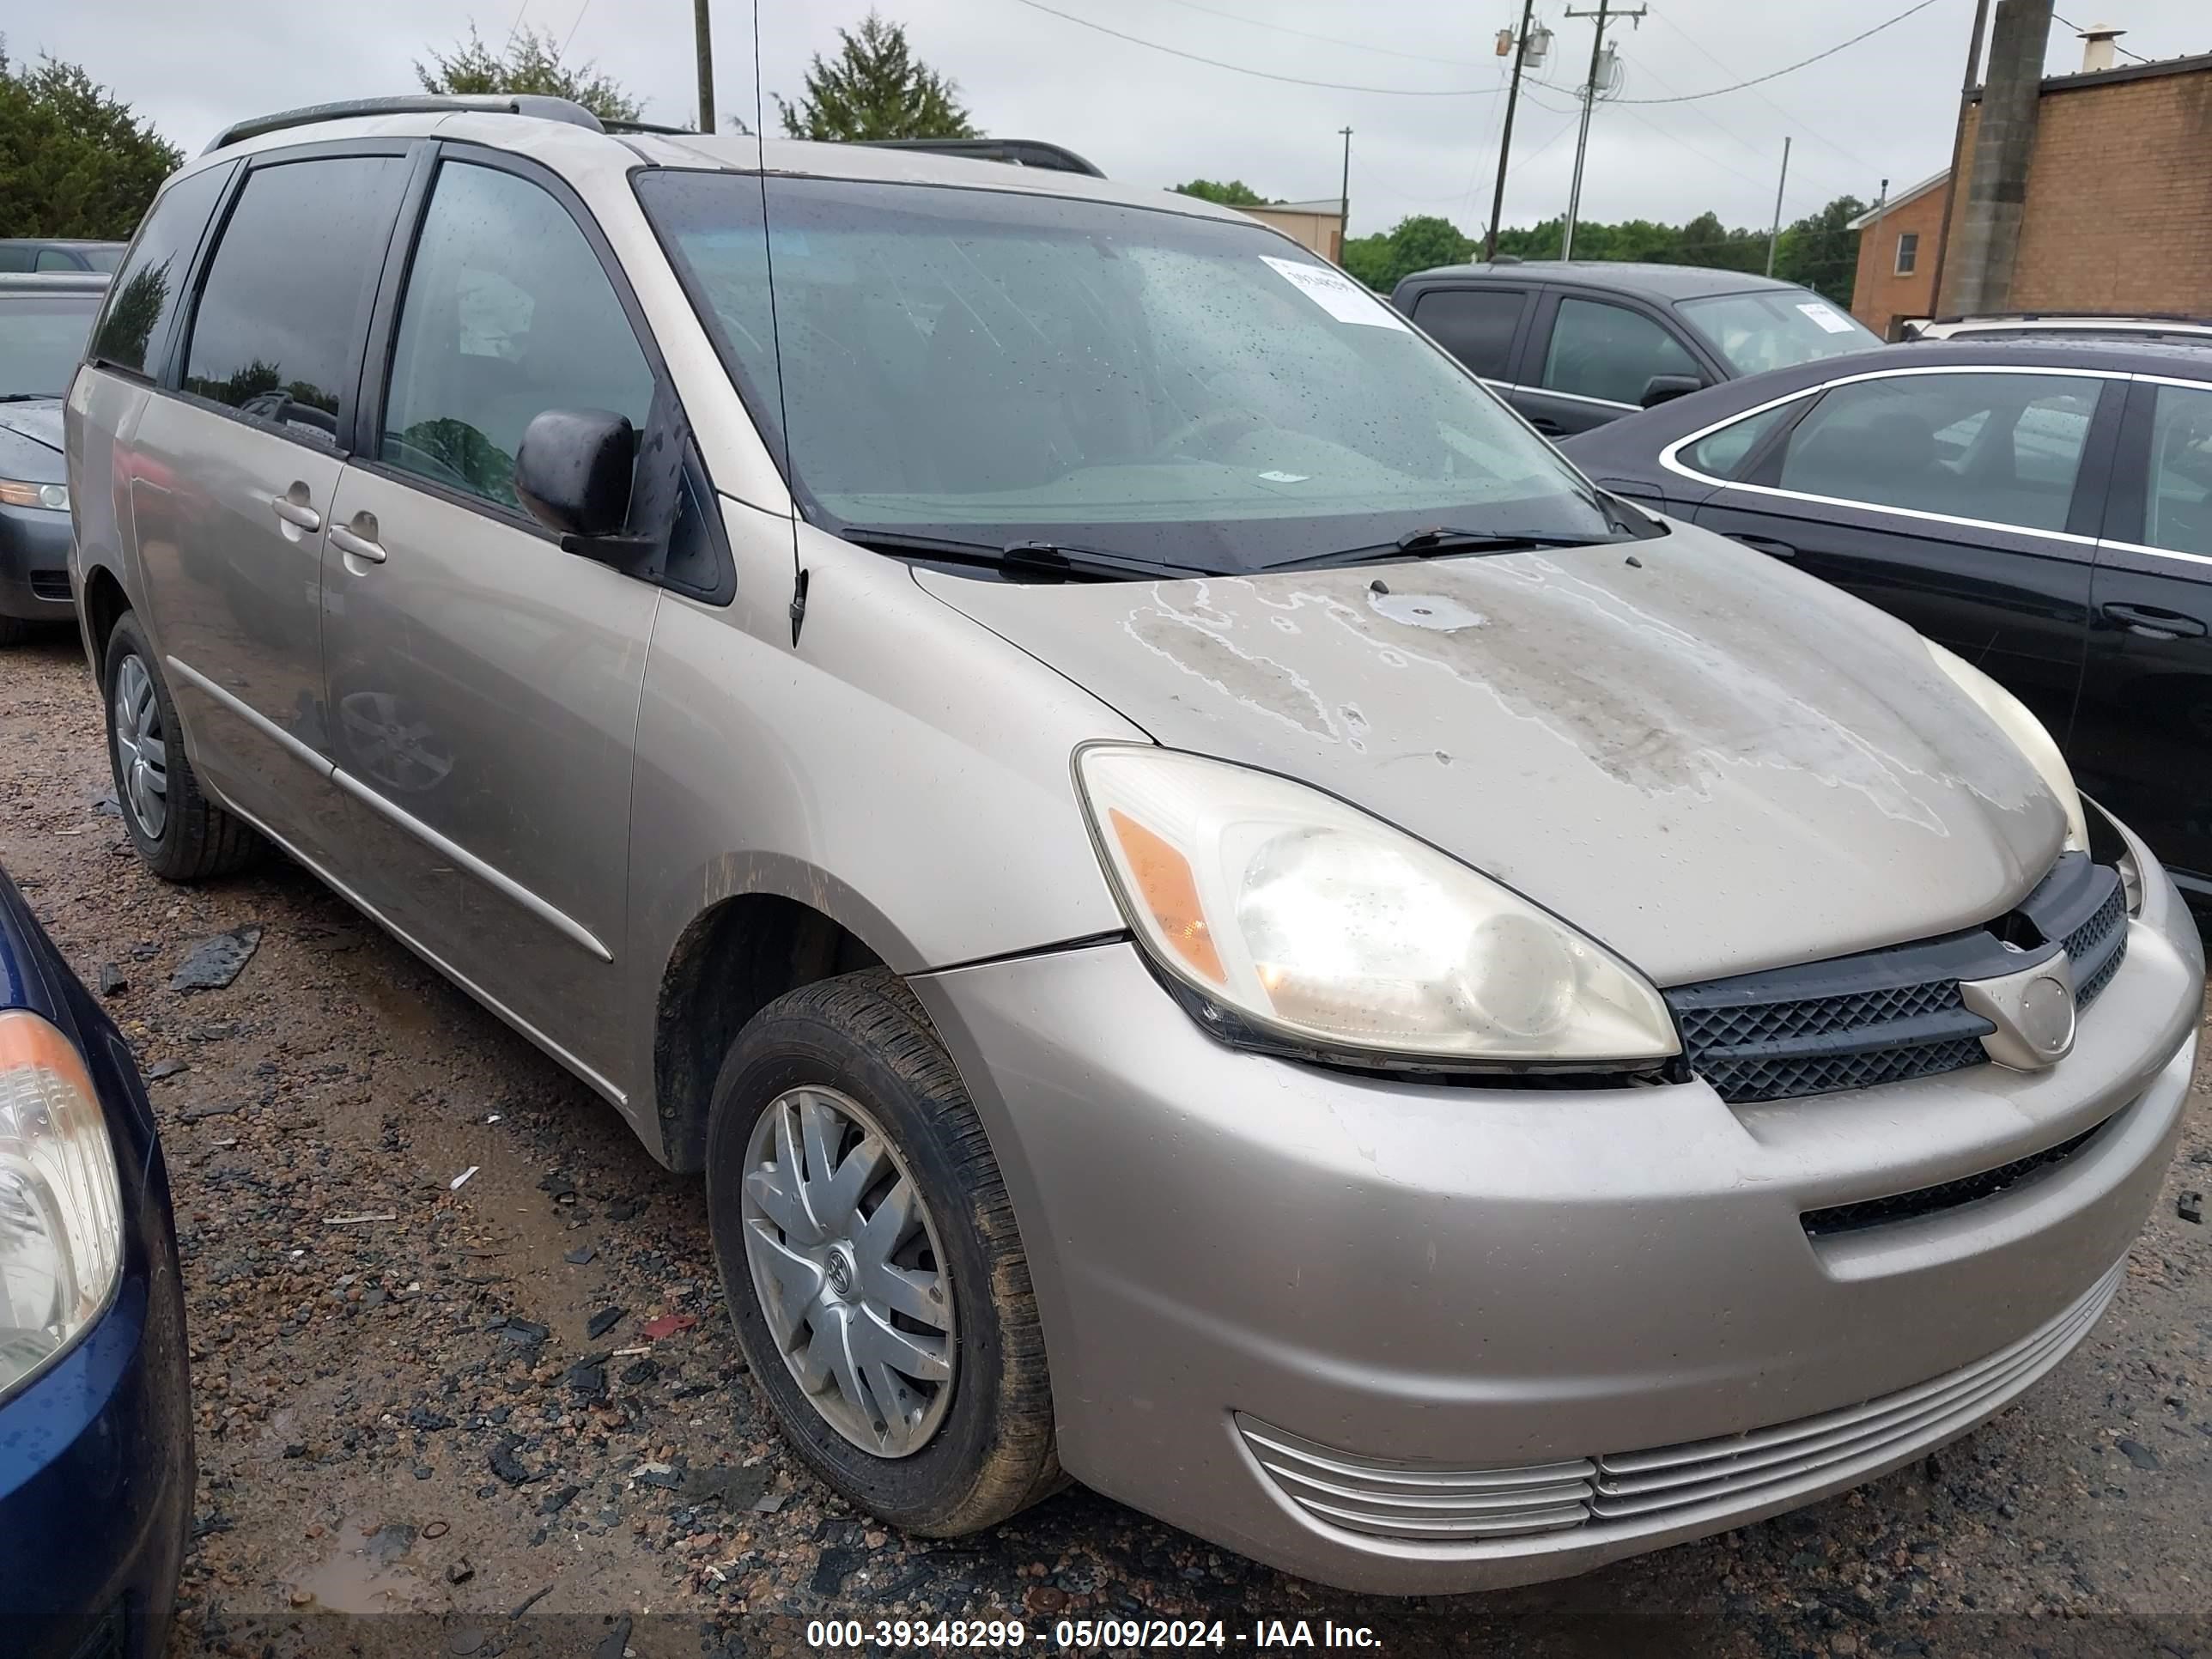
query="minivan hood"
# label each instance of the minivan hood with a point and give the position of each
(1710, 762)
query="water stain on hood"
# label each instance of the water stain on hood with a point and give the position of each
(1710, 761)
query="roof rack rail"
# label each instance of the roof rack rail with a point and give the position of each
(621, 123)
(1019, 152)
(423, 103)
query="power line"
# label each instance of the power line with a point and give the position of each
(573, 27)
(1797, 121)
(1330, 40)
(2068, 23)
(1265, 74)
(1787, 69)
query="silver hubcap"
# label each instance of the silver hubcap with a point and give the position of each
(846, 1262)
(141, 758)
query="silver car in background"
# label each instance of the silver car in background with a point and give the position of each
(1219, 921)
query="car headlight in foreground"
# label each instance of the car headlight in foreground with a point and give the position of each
(1305, 924)
(14, 492)
(2028, 736)
(61, 1236)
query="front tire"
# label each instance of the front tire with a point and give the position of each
(179, 834)
(871, 1262)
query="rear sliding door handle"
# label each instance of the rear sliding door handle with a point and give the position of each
(360, 546)
(2153, 623)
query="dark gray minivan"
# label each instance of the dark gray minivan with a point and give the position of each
(1573, 346)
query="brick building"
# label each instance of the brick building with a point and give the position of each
(2118, 215)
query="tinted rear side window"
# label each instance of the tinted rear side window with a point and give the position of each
(278, 330)
(1476, 324)
(144, 294)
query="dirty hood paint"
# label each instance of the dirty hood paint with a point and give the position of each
(1710, 762)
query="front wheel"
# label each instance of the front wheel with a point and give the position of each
(870, 1263)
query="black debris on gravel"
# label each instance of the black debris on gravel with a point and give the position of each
(213, 963)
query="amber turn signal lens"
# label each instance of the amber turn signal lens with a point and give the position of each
(1169, 892)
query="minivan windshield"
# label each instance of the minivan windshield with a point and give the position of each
(994, 367)
(1776, 328)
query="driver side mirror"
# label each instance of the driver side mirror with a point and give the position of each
(573, 473)
(1665, 388)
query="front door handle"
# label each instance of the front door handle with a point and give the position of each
(2152, 623)
(1545, 424)
(351, 540)
(1768, 546)
(292, 507)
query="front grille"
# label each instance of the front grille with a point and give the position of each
(1624, 1494)
(1394, 1499)
(2098, 947)
(50, 583)
(1944, 1195)
(1890, 1015)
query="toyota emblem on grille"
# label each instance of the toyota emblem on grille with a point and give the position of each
(2033, 1011)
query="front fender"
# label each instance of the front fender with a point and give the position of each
(903, 770)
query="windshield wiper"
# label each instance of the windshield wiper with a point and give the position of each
(1061, 559)
(1440, 539)
(29, 397)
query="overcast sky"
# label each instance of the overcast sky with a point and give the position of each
(1883, 107)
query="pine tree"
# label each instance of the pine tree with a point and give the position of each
(73, 159)
(875, 89)
(530, 62)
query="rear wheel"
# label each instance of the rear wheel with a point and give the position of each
(179, 833)
(871, 1262)
(14, 630)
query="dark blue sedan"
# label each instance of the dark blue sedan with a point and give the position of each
(95, 1404)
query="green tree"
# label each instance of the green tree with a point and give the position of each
(875, 89)
(1411, 245)
(530, 62)
(73, 159)
(1234, 192)
(1821, 250)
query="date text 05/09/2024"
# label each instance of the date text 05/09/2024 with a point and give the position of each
(1087, 1635)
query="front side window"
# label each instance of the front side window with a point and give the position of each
(1908, 253)
(1611, 353)
(508, 313)
(41, 337)
(1776, 328)
(996, 367)
(2003, 449)
(2177, 510)
(1476, 324)
(277, 333)
(144, 294)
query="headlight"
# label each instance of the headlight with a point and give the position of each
(1333, 932)
(61, 1228)
(15, 493)
(2028, 736)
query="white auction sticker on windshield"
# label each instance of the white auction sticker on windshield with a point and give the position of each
(1334, 293)
(1826, 317)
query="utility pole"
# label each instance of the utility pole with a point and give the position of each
(1603, 14)
(1506, 142)
(705, 29)
(1780, 185)
(1958, 153)
(1344, 199)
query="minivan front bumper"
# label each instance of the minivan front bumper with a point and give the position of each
(1336, 1323)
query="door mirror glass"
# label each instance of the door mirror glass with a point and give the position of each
(573, 472)
(1665, 388)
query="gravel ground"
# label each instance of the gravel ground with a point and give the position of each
(444, 1403)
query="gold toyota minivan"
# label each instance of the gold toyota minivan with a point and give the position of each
(1218, 920)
